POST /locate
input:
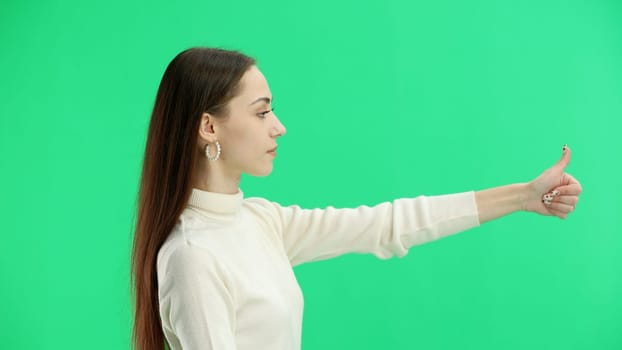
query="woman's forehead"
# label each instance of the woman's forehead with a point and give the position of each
(254, 87)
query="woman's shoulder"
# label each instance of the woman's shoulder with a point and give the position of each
(257, 201)
(261, 206)
(180, 253)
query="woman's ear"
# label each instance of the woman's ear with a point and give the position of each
(206, 129)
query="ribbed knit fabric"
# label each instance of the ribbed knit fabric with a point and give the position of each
(225, 272)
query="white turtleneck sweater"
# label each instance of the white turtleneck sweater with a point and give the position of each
(225, 272)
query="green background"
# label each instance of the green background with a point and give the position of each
(381, 100)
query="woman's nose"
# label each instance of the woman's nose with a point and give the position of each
(280, 128)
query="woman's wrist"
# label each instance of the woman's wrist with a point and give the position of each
(527, 194)
(499, 201)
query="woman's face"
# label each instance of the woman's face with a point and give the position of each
(248, 135)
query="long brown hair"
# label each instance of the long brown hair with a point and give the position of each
(197, 80)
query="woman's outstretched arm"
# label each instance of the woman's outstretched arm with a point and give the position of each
(499, 201)
(496, 202)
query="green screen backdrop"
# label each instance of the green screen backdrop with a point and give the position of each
(381, 99)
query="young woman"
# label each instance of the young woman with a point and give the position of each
(212, 269)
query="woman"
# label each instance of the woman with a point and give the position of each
(212, 269)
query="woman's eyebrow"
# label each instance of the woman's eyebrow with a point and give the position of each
(265, 99)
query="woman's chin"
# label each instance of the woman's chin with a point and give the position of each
(261, 172)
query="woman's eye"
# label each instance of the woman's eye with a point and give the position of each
(263, 114)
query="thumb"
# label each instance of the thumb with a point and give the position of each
(565, 159)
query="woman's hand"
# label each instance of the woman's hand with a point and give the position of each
(564, 189)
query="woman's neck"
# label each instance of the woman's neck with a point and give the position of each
(214, 179)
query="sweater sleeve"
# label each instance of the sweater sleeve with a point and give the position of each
(196, 302)
(385, 230)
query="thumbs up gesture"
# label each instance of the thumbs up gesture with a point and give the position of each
(554, 192)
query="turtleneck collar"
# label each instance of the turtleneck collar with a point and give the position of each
(216, 203)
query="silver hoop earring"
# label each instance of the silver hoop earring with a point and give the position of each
(208, 155)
